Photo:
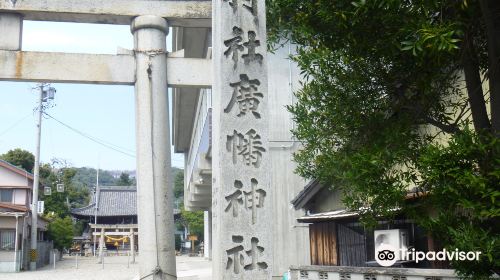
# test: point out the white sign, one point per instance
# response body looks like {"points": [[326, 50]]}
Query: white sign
{"points": [[41, 207]]}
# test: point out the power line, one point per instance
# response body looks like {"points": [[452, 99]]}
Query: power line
{"points": [[94, 139], [104, 143], [15, 124]]}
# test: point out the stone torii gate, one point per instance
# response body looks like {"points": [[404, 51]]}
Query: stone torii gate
{"points": [[242, 239]]}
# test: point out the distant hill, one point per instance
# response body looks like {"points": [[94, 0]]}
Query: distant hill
{"points": [[85, 177]]}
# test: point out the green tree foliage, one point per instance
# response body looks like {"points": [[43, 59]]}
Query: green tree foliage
{"points": [[78, 228], [193, 220], [178, 242], [85, 177], [179, 185], [58, 172], [469, 193], [382, 80], [124, 180], [61, 232], [20, 158]]}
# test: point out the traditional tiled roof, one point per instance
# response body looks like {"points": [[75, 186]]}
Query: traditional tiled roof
{"points": [[306, 194], [113, 201], [327, 216]]}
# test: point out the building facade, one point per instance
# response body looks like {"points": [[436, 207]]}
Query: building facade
{"points": [[192, 136], [111, 221], [16, 186], [342, 247]]}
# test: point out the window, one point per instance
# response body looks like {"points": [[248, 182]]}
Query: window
{"points": [[7, 239], [6, 195]]}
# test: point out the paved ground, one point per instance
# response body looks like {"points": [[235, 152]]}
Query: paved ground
{"points": [[115, 268]]}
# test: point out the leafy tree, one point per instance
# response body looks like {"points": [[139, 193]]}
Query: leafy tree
{"points": [[85, 177], [179, 185], [78, 228], [21, 158], [193, 220], [58, 172], [383, 80], [61, 232], [178, 242], [457, 182], [124, 180]]}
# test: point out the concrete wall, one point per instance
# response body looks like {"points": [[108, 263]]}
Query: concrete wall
{"points": [[315, 272], [7, 262], [291, 239], [45, 253]]}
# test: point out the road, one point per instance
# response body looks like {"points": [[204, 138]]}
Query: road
{"points": [[115, 268]]}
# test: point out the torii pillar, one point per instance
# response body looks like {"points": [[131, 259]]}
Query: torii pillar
{"points": [[155, 196]]}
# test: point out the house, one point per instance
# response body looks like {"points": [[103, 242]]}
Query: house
{"points": [[341, 245], [15, 220]]}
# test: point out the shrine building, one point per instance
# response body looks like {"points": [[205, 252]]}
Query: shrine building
{"points": [[113, 210]]}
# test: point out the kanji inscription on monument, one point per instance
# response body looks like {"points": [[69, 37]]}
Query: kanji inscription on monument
{"points": [[246, 94], [247, 200], [236, 47], [248, 146], [239, 259], [241, 185], [249, 5]]}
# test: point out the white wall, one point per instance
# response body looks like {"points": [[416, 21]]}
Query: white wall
{"points": [[291, 239], [12, 179]]}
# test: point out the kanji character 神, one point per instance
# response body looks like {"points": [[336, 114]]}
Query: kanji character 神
{"points": [[235, 199]]}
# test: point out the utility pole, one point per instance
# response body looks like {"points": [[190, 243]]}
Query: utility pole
{"points": [[96, 206], [46, 94]]}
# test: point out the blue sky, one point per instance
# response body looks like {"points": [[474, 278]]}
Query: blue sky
{"points": [[104, 112]]}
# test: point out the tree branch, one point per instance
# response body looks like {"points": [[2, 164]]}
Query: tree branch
{"points": [[446, 127], [491, 15], [474, 86]]}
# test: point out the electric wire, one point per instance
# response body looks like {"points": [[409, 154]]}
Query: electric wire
{"points": [[94, 139], [14, 125], [106, 143]]}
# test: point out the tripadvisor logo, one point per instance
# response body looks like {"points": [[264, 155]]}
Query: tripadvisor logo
{"points": [[387, 255]]}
